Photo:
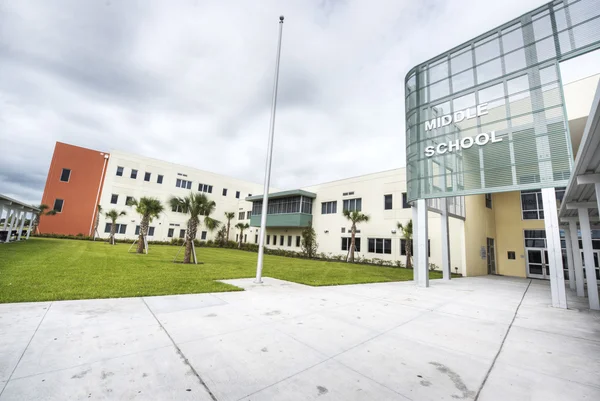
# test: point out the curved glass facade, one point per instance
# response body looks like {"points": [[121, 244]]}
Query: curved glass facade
{"points": [[489, 115]]}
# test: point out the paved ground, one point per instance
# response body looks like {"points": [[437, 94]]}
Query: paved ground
{"points": [[489, 337]]}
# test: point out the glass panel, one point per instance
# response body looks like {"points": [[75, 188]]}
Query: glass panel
{"points": [[439, 90], [461, 60], [536, 269]]}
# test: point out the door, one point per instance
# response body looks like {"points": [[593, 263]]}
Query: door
{"points": [[491, 256], [537, 263], [596, 255]]}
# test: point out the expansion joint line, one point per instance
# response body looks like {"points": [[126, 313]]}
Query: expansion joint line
{"points": [[180, 353], [502, 343]]}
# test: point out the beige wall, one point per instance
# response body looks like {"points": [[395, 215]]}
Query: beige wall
{"points": [[479, 225], [509, 233]]}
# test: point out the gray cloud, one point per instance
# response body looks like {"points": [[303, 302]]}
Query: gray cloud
{"points": [[191, 81]]}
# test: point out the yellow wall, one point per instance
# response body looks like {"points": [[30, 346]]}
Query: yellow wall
{"points": [[509, 233], [480, 224]]}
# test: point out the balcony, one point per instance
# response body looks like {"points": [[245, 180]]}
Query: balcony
{"points": [[285, 209]]}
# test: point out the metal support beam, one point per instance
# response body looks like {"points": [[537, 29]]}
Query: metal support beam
{"points": [[8, 209], [421, 248], [588, 179], [588, 257], [581, 205], [597, 188], [22, 225], [12, 224], [571, 267], [579, 284], [557, 279], [415, 218], [32, 216], [446, 269]]}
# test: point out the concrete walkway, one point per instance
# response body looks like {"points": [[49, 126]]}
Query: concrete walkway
{"points": [[485, 338]]}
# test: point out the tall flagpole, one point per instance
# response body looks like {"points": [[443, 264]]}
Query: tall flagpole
{"points": [[263, 216]]}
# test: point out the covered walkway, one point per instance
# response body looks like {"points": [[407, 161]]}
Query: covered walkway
{"points": [[15, 214]]}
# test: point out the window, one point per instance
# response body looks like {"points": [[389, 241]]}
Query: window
{"points": [[256, 238], [120, 171], [348, 193], [347, 241], [387, 202], [185, 184], [412, 252], [291, 204], [274, 240], [147, 176], [241, 215], [137, 230], [65, 175], [511, 255], [203, 235], [405, 204], [329, 207], [58, 205], [159, 179], [121, 228], [281, 239], [133, 174], [182, 233], [297, 241], [150, 231], [289, 240], [248, 214], [245, 238], [268, 239], [114, 198], [177, 209], [353, 204], [224, 191], [237, 236], [170, 232], [343, 230], [380, 245], [128, 200], [535, 238], [237, 194], [205, 188], [532, 205], [488, 201]]}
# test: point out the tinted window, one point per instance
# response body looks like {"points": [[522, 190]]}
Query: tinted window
{"points": [[114, 199], [133, 174], [147, 176], [159, 179], [387, 202], [58, 205], [120, 171], [65, 175], [170, 233]]}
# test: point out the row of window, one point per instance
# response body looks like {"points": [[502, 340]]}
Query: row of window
{"points": [[281, 240], [379, 245], [291, 204], [330, 207], [134, 173], [244, 215]]}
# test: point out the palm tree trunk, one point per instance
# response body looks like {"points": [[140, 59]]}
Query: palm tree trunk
{"points": [[228, 229], [352, 243], [96, 225], [113, 229], [241, 234], [142, 235], [191, 236], [407, 247]]}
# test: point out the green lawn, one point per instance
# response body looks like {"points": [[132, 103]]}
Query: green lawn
{"points": [[43, 269]]}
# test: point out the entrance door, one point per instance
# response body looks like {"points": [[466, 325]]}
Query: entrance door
{"points": [[537, 263], [491, 256], [596, 255]]}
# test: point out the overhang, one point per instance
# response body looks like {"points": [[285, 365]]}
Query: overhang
{"points": [[283, 194], [15, 204]]}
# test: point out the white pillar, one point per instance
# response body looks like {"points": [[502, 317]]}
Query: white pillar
{"points": [[447, 270], [571, 267], [588, 257], [597, 187], [22, 225], [557, 278], [415, 219], [6, 219], [12, 223], [421, 248], [32, 216], [1, 211], [579, 284]]}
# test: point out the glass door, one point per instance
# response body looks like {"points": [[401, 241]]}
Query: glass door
{"points": [[596, 264], [537, 265], [491, 256]]}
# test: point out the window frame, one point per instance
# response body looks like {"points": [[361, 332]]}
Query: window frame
{"points": [[133, 174], [62, 205], [488, 201], [159, 179], [62, 173], [380, 243], [385, 202], [116, 200], [147, 176], [405, 204], [121, 170]]}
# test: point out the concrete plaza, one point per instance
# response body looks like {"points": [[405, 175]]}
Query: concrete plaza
{"points": [[489, 338]]}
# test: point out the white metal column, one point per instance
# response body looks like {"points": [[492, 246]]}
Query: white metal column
{"points": [[579, 285], [6, 219], [588, 257], [415, 219], [32, 216], [422, 258], [447, 270], [22, 225], [12, 223], [557, 279], [570, 259]]}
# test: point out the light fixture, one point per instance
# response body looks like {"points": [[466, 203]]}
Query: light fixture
{"points": [[393, 231], [326, 231]]}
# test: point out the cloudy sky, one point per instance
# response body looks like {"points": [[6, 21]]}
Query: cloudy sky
{"points": [[190, 81]]}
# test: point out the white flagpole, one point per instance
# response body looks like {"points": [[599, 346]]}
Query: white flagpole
{"points": [[263, 216]]}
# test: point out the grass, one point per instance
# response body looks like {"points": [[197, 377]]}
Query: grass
{"points": [[42, 269]]}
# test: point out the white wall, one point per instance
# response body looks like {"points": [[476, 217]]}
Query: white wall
{"points": [[125, 186]]}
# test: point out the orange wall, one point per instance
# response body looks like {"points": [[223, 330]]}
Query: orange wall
{"points": [[80, 194]]}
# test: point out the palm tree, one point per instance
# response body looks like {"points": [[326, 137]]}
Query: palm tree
{"points": [[196, 204], [407, 234], [98, 213], [148, 208], [242, 227], [42, 212], [229, 216], [354, 217], [113, 215]]}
